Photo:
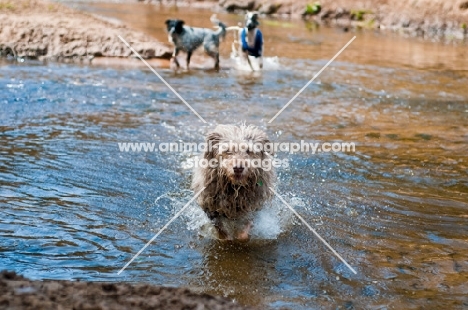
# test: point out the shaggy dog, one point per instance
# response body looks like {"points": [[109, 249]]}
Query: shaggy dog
{"points": [[238, 182], [188, 39]]}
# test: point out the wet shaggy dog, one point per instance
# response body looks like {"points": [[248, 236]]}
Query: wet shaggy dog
{"points": [[236, 184], [188, 39]]}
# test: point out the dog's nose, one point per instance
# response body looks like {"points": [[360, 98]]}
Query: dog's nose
{"points": [[238, 170]]}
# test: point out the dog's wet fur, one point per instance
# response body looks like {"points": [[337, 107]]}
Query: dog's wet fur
{"points": [[233, 190], [188, 39]]}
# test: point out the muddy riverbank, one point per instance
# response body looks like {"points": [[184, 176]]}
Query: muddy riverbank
{"points": [[433, 19], [44, 30], [18, 292], [422, 18]]}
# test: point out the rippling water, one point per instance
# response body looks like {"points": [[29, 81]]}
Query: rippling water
{"points": [[74, 207]]}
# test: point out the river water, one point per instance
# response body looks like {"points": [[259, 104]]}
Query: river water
{"points": [[73, 206]]}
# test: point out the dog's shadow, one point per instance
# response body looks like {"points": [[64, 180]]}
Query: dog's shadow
{"points": [[239, 270]]}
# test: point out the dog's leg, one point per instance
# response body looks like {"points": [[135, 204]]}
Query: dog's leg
{"points": [[235, 50], [174, 57], [216, 61], [246, 56], [215, 56], [222, 234], [244, 234], [189, 54], [212, 50], [260, 62]]}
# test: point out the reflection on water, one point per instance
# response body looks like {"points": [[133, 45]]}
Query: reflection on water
{"points": [[74, 207]]}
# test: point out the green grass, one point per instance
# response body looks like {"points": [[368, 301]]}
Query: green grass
{"points": [[313, 9], [370, 23], [359, 14]]}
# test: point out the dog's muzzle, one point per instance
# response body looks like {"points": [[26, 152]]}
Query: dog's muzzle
{"points": [[238, 171], [250, 25], [169, 35]]}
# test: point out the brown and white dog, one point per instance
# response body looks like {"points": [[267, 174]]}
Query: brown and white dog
{"points": [[238, 182]]}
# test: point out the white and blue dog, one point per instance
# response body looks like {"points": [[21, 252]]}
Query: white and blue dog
{"points": [[250, 40]]}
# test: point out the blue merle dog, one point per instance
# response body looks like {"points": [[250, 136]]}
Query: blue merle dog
{"points": [[188, 39]]}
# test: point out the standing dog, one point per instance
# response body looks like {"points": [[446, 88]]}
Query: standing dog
{"points": [[250, 39], [188, 39], [236, 180]]}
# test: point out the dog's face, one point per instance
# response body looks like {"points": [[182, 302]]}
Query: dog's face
{"points": [[174, 26], [251, 20], [240, 152]]}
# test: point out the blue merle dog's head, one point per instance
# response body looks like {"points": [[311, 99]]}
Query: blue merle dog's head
{"points": [[174, 26]]}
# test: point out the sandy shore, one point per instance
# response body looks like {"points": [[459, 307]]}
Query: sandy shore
{"points": [[46, 30], [17, 292]]}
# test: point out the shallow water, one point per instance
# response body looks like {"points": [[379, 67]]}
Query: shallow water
{"points": [[74, 207]]}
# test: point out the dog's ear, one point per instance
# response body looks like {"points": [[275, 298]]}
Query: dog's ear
{"points": [[268, 147], [259, 137], [255, 18], [212, 144], [169, 24], [179, 26]]}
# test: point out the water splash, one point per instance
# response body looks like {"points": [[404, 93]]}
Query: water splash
{"points": [[269, 63], [268, 223]]}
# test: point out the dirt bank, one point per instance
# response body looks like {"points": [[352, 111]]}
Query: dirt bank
{"points": [[426, 18], [422, 18], [41, 29], [17, 292]]}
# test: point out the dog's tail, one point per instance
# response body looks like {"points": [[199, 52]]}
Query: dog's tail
{"points": [[221, 27], [233, 28]]}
